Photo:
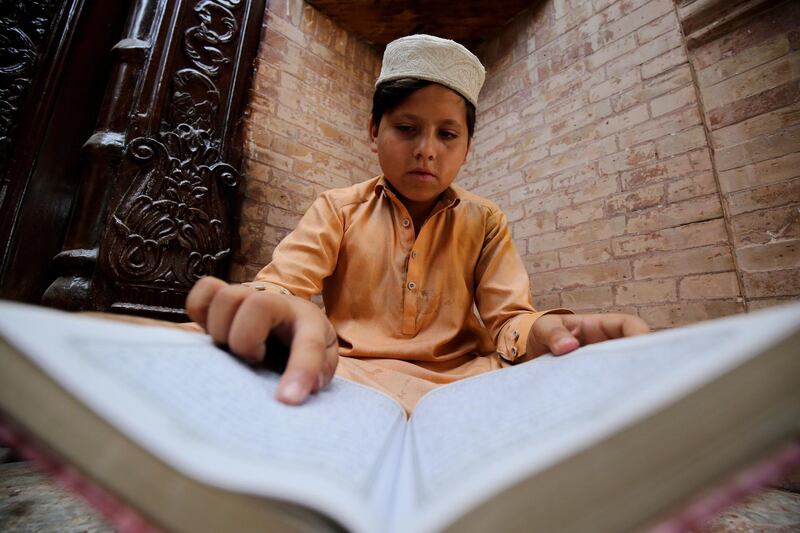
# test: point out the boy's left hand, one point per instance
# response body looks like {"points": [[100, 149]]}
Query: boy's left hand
{"points": [[560, 334]]}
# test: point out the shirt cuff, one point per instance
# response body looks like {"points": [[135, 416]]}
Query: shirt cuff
{"points": [[513, 344], [267, 286]]}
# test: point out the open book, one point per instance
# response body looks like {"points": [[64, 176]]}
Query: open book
{"points": [[607, 438]]}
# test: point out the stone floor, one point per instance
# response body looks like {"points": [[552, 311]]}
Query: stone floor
{"points": [[29, 502]]}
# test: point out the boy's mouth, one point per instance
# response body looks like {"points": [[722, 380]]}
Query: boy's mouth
{"points": [[422, 173]]}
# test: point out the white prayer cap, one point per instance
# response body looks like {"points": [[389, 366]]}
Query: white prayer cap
{"points": [[443, 61]]}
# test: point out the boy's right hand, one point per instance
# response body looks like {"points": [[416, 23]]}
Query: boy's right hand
{"points": [[243, 318]]}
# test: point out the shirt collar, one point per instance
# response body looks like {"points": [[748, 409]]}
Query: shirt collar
{"points": [[449, 198]]}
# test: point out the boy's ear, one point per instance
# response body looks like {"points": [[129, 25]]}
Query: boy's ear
{"points": [[373, 135]]}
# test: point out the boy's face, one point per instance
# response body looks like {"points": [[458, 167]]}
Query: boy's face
{"points": [[422, 143]]}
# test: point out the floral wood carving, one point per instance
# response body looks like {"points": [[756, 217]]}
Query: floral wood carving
{"points": [[23, 27], [169, 228]]}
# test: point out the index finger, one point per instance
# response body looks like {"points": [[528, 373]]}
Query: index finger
{"points": [[199, 298], [312, 361], [618, 325]]}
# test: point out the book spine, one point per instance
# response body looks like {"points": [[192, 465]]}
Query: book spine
{"points": [[752, 480], [113, 510]]}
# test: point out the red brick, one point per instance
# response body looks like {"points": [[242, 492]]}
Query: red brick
{"points": [[242, 272], [664, 62], [645, 292], [580, 234], [657, 172], [647, 90], [780, 19], [564, 161], [534, 225], [501, 184], [701, 260], [709, 286], [658, 127], [773, 170], [672, 101], [541, 262], [772, 283], [766, 225], [584, 276], [759, 149], [611, 51], [645, 53], [574, 177], [547, 301], [756, 126], [599, 188], [684, 313], [282, 219], [772, 195], [756, 55], [531, 190], [763, 102], [768, 76], [641, 198], [680, 238], [587, 298], [695, 210], [586, 254], [754, 304], [628, 159], [614, 86], [657, 28], [691, 187], [638, 18], [579, 214], [772, 256], [583, 116], [624, 120], [682, 141]]}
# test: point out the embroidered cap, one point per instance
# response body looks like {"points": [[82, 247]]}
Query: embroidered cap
{"points": [[443, 61]]}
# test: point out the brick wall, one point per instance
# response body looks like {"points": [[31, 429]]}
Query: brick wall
{"points": [[306, 128], [592, 137], [643, 169], [749, 84]]}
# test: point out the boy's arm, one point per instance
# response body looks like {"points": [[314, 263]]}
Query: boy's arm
{"points": [[276, 305], [503, 297], [560, 334], [306, 256], [242, 318]]}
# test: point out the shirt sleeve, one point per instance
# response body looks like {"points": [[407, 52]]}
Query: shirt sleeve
{"points": [[503, 292], [308, 255]]}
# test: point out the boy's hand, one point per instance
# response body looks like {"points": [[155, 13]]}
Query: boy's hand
{"points": [[560, 334], [243, 318]]}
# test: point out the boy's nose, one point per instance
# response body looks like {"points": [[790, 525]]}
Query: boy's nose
{"points": [[425, 147]]}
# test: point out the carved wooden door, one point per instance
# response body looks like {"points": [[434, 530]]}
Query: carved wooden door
{"points": [[157, 198]]}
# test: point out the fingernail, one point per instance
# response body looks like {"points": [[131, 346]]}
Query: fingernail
{"points": [[292, 392], [566, 344]]}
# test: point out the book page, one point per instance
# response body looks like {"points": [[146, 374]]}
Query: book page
{"points": [[216, 418], [481, 434]]}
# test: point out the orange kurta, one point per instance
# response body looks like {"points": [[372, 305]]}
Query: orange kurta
{"points": [[411, 311]]}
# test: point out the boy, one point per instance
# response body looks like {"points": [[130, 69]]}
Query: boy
{"points": [[402, 259]]}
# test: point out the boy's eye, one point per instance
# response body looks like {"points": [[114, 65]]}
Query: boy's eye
{"points": [[405, 128], [448, 135]]}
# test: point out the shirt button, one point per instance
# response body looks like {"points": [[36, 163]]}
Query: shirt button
{"points": [[412, 285], [516, 334], [413, 255], [406, 223], [284, 291], [514, 351]]}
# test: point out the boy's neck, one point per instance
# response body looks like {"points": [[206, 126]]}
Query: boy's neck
{"points": [[418, 211]]}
